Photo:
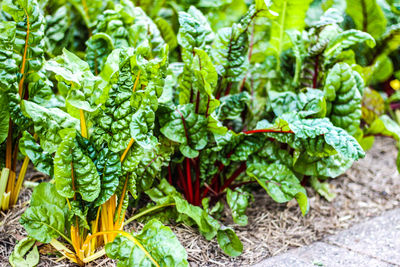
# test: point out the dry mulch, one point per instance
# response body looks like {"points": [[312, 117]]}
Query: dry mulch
{"points": [[369, 188]]}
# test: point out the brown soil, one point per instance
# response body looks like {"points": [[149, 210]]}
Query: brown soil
{"points": [[370, 187]]}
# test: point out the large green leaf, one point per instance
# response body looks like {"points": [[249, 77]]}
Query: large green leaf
{"points": [[367, 16], [42, 161], [345, 40], [184, 126], [75, 172], [308, 102], [280, 183], [291, 17], [4, 117], [48, 123], [44, 219], [156, 240], [148, 163], [141, 127], [232, 106], [331, 166], [8, 64], [164, 193], [229, 53], [130, 99], [108, 166], [229, 242], [28, 55], [318, 137], [342, 92], [194, 31], [70, 70], [121, 27]]}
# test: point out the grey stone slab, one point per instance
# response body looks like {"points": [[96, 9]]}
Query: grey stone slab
{"points": [[286, 259], [378, 237], [321, 254]]}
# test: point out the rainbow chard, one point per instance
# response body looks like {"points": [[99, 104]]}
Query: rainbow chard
{"points": [[109, 152]]}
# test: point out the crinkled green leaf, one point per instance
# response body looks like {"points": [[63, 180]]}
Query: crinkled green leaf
{"points": [[344, 96], [229, 53], [141, 127], [71, 70], [316, 136], [125, 96], [184, 126], [77, 212], [48, 122], [75, 172], [8, 64], [4, 117], [189, 214], [148, 163], [108, 165], [194, 31], [232, 106], [331, 166], [42, 160], [28, 55], [280, 183], [308, 102], [345, 40]]}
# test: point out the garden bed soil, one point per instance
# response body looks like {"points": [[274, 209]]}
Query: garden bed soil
{"points": [[369, 188]]}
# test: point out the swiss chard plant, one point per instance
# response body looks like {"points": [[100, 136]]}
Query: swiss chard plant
{"points": [[22, 77], [379, 64], [99, 158], [179, 110]]}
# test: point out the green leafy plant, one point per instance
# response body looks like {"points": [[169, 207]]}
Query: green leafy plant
{"points": [[22, 50], [179, 110]]}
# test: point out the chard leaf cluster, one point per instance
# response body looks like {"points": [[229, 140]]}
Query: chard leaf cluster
{"points": [[177, 110]]}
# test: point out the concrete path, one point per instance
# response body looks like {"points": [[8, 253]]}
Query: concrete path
{"points": [[373, 243]]}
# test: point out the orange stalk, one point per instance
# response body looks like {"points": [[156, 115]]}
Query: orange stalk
{"points": [[104, 223], [83, 124], [22, 71], [127, 149], [110, 218], [121, 201], [9, 146], [136, 81], [95, 226]]}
